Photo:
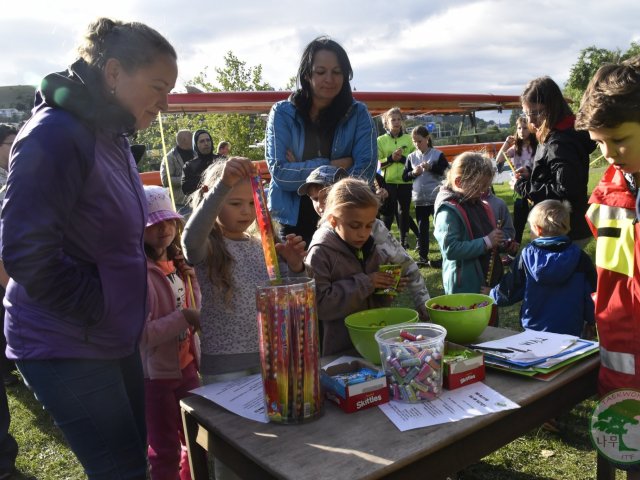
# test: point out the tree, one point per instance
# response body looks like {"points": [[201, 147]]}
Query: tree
{"points": [[515, 113], [614, 421], [241, 130], [589, 61]]}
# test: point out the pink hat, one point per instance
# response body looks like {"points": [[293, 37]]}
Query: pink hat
{"points": [[159, 205]]}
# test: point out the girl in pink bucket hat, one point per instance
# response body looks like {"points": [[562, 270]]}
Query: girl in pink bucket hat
{"points": [[169, 348]]}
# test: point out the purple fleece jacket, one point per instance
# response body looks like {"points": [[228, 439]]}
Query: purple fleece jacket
{"points": [[71, 240]]}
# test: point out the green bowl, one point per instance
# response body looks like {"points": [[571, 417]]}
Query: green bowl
{"points": [[463, 326], [362, 327]]}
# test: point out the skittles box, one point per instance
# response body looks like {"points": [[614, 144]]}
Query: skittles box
{"points": [[462, 366], [354, 385]]}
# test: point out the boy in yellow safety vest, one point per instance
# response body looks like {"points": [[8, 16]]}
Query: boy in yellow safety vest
{"points": [[610, 111]]}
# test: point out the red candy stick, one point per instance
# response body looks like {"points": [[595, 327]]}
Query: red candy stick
{"points": [[407, 336]]}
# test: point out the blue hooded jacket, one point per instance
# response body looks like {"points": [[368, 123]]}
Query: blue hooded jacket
{"points": [[72, 227], [554, 279]]}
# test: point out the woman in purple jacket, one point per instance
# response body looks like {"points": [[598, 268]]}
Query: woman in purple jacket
{"points": [[71, 235]]}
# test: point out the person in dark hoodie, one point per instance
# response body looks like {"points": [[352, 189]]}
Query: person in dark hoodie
{"points": [[204, 156], [552, 276], [561, 163], [71, 241]]}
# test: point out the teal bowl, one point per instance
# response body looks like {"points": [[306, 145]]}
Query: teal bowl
{"points": [[463, 326], [362, 327]]}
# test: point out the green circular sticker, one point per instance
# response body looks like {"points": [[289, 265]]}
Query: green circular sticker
{"points": [[615, 426]]}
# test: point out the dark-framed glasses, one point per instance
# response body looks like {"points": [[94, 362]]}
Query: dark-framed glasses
{"points": [[534, 114]]}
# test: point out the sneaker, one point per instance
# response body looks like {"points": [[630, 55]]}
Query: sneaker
{"points": [[405, 244], [422, 262], [435, 263], [551, 425]]}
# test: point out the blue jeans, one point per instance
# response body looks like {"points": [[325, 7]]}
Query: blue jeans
{"points": [[99, 406], [8, 445]]}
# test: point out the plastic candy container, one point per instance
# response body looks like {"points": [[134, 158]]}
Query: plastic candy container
{"points": [[412, 360]]}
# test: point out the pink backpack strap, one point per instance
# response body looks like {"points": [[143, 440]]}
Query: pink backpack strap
{"points": [[465, 217]]}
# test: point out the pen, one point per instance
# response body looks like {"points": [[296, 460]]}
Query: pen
{"points": [[491, 349]]}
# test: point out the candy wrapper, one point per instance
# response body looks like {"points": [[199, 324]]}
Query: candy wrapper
{"points": [[396, 271]]}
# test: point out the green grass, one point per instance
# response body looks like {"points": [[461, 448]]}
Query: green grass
{"points": [[537, 455]]}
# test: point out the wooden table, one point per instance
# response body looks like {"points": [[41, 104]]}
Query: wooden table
{"points": [[366, 445]]}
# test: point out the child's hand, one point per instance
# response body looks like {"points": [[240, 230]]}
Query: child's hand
{"points": [[402, 284], [183, 267], [292, 251], [511, 247], [522, 172], [418, 170], [192, 317], [496, 237], [485, 290], [510, 140], [236, 169], [396, 156], [423, 313], [382, 279]]}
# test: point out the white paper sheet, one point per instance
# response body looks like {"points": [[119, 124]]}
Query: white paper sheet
{"points": [[532, 346], [465, 402], [243, 396]]}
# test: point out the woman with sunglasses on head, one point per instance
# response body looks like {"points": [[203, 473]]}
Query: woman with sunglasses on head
{"points": [[561, 164], [320, 124]]}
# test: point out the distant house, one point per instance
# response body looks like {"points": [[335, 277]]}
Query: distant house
{"points": [[8, 112]]}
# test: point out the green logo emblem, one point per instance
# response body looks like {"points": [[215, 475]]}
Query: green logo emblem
{"points": [[615, 426]]}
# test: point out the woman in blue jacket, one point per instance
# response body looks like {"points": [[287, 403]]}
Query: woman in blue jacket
{"points": [[320, 124], [71, 237]]}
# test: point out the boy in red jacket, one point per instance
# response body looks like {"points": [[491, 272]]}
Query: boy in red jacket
{"points": [[609, 111]]}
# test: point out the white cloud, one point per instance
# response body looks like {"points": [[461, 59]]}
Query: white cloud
{"points": [[488, 46]]}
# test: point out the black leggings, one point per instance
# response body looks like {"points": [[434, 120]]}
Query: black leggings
{"points": [[520, 214], [398, 201], [307, 222], [423, 212]]}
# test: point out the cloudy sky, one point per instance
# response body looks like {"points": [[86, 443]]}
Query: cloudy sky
{"points": [[460, 46]]}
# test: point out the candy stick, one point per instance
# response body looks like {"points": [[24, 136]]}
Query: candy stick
{"points": [[298, 337], [309, 353], [266, 228], [275, 349], [492, 259], [166, 161], [314, 367], [283, 351], [513, 168]]}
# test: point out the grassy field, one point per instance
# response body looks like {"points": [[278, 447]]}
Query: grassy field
{"points": [[538, 455]]}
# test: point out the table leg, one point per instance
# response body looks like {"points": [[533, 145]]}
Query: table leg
{"points": [[605, 471], [197, 454]]}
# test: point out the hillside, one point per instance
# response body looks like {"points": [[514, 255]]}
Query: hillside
{"points": [[17, 96]]}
